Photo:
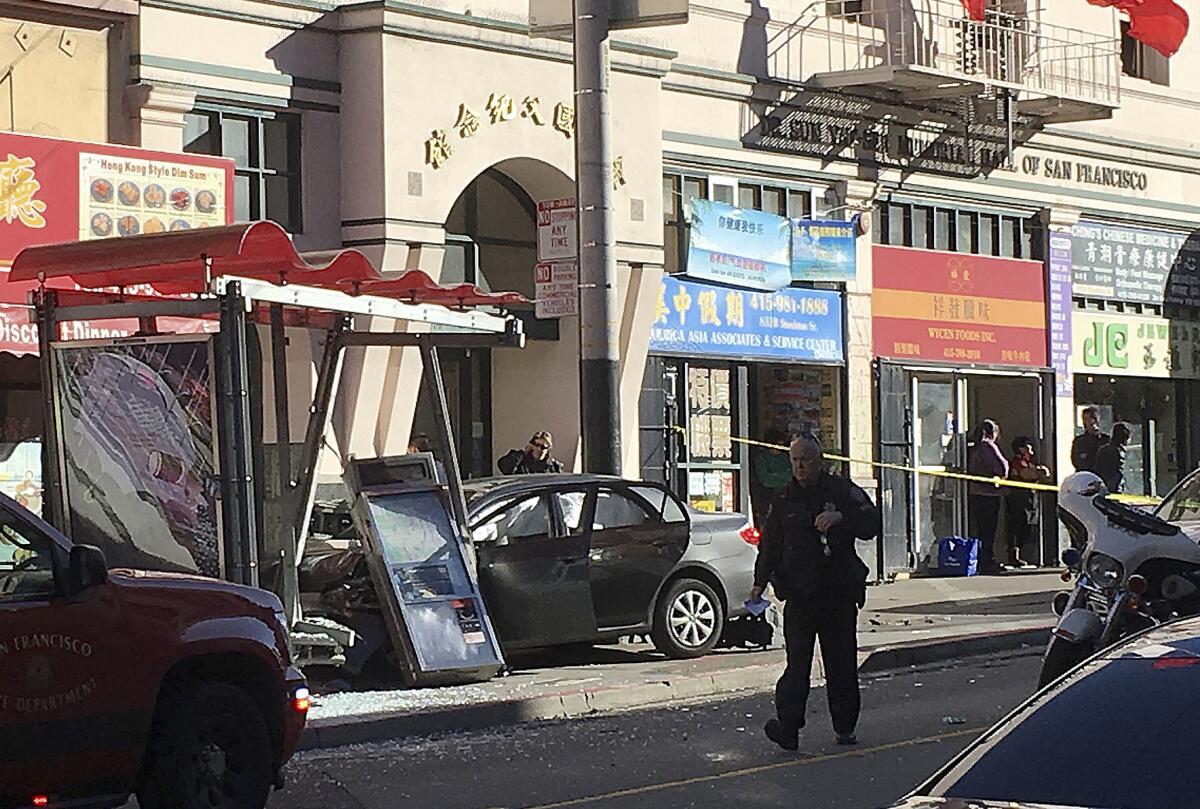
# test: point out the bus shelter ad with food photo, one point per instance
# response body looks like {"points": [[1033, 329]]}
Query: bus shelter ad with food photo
{"points": [[950, 307], [54, 191], [65, 191]]}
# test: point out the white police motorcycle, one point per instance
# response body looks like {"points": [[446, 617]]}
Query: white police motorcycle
{"points": [[1134, 569]]}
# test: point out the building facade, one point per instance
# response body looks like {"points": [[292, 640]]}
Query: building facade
{"points": [[1025, 190]]}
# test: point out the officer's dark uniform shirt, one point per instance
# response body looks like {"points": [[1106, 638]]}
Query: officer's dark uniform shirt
{"points": [[1084, 449], [791, 556]]}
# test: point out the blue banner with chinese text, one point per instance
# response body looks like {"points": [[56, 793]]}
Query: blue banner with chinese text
{"points": [[823, 251], [795, 325], [740, 247]]}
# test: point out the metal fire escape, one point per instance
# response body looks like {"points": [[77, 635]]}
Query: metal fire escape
{"points": [[926, 64]]}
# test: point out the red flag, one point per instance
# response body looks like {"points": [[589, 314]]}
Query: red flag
{"points": [[1161, 24], [975, 9]]}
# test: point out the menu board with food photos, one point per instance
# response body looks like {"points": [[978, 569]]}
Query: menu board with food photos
{"points": [[125, 196]]}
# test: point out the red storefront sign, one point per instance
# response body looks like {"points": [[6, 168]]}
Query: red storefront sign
{"points": [[960, 308], [59, 191]]}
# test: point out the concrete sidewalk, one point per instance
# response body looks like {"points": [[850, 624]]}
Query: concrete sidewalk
{"points": [[909, 622]]}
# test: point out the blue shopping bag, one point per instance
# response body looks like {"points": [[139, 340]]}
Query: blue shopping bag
{"points": [[958, 556]]}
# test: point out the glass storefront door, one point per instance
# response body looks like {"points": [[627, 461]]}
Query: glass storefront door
{"points": [[947, 410], [937, 447]]}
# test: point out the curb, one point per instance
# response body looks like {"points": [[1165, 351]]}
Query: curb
{"points": [[340, 732], [887, 658]]}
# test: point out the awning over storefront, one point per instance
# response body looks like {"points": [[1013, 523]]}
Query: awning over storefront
{"points": [[185, 263]]}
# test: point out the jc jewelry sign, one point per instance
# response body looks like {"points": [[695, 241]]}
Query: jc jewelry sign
{"points": [[1127, 345]]}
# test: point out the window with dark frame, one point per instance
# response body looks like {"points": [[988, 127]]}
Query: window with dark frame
{"points": [[680, 189], [266, 152], [985, 233], [1140, 61], [678, 192], [843, 8], [773, 200]]}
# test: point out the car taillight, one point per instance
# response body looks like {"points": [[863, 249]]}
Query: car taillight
{"points": [[41, 800], [301, 700], [751, 534]]}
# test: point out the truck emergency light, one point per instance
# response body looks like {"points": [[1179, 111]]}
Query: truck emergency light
{"points": [[301, 700]]}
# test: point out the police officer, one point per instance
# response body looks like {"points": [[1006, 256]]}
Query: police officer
{"points": [[807, 554]]}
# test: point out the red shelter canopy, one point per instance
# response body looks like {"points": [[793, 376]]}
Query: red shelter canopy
{"points": [[184, 263]]}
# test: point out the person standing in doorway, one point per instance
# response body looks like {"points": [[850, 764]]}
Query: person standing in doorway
{"points": [[534, 459], [983, 500], [1088, 443], [807, 554], [1020, 514], [1110, 459]]}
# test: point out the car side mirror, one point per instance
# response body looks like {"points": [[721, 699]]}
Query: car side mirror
{"points": [[88, 568]]}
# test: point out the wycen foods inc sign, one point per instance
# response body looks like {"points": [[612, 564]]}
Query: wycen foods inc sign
{"points": [[952, 307]]}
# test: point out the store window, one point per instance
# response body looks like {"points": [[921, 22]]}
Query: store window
{"points": [[1149, 407], [986, 233], [266, 152], [787, 400], [712, 458]]}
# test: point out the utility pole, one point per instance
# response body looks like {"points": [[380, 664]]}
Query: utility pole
{"points": [[599, 315]]}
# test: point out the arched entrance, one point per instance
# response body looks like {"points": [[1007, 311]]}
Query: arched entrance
{"points": [[491, 241]]}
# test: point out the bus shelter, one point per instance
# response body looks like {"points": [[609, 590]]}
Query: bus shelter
{"points": [[153, 451]]}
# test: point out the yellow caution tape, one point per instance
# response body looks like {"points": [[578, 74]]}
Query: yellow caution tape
{"points": [[1134, 499]]}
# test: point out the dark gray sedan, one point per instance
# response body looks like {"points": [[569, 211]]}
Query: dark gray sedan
{"points": [[582, 559], [1118, 732]]}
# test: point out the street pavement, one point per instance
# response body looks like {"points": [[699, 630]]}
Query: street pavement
{"points": [[911, 621], [703, 754]]}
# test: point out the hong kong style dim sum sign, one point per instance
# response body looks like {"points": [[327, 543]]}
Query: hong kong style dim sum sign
{"points": [[61, 191]]}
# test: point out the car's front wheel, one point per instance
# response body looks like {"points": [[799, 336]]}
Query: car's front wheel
{"points": [[688, 619], [211, 751]]}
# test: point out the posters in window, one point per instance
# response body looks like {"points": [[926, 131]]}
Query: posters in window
{"points": [[139, 465], [710, 415]]}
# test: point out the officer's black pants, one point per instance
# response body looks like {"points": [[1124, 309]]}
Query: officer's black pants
{"points": [[836, 625]]}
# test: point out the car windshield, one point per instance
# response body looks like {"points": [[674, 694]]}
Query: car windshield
{"points": [[1120, 733], [1183, 504]]}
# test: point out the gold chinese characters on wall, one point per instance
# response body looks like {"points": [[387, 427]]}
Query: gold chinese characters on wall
{"points": [[500, 109]]}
